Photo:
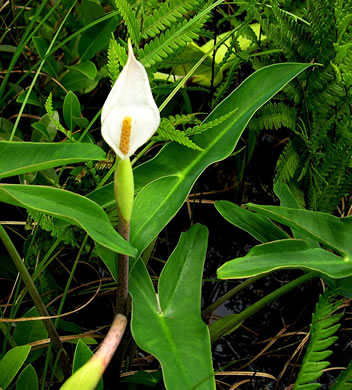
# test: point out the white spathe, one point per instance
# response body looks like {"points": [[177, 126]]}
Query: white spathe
{"points": [[130, 97]]}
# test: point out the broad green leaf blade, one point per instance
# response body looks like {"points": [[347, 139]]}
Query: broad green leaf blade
{"points": [[165, 181], [86, 69], [150, 379], [109, 258], [82, 354], [28, 379], [71, 109], [259, 227], [96, 38], [23, 157], [282, 254], [341, 286], [80, 76], [29, 331], [42, 46], [287, 199], [175, 333], [11, 363], [70, 207], [174, 176], [329, 230]]}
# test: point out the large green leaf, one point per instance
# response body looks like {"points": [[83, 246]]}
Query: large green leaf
{"points": [[70, 207], [96, 38], [23, 157], [170, 326], [71, 109], [82, 354], [165, 181], [329, 230], [80, 76], [285, 254], [168, 178], [29, 331], [11, 363], [28, 379], [287, 199], [258, 226], [42, 46]]}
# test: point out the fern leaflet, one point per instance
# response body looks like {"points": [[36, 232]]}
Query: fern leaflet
{"points": [[174, 38], [167, 14], [130, 20], [54, 116], [274, 116], [56, 227], [117, 58], [198, 129], [167, 132], [323, 327]]}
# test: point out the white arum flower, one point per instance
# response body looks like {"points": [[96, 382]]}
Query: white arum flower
{"points": [[130, 116]]}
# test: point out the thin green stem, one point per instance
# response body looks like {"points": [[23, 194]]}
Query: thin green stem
{"points": [[90, 125], [5, 330], [107, 176], [27, 280], [206, 312], [142, 152], [62, 302], [239, 318], [68, 284], [19, 295], [123, 269]]}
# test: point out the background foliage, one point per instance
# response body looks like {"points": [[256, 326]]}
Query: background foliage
{"points": [[58, 62]]}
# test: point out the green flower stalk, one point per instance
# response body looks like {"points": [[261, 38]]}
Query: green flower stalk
{"points": [[124, 194]]}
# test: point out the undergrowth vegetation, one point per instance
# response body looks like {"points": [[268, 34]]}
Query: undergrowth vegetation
{"points": [[242, 88]]}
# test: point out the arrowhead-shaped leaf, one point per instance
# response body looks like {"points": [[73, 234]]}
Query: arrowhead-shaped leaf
{"points": [[170, 327], [256, 225], [329, 230], [282, 254]]}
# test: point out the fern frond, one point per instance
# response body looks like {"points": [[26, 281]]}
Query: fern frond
{"points": [[288, 164], [117, 58], [324, 325], [56, 227], [198, 129], [184, 119], [344, 380], [334, 178], [53, 115], [171, 40], [130, 20], [167, 132], [165, 15], [274, 116], [176, 37]]}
